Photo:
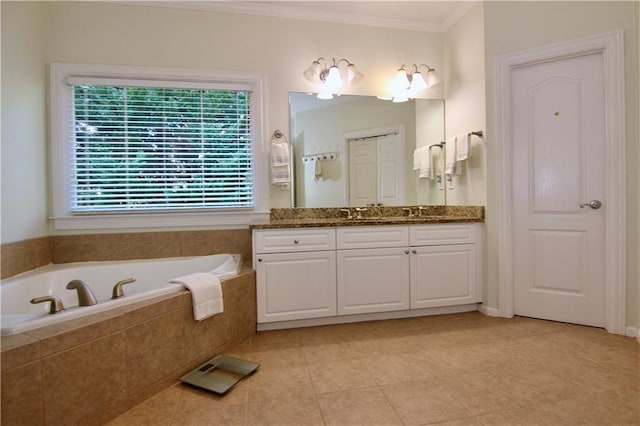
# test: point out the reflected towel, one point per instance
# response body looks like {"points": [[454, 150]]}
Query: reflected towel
{"points": [[423, 162], [206, 293], [317, 169], [450, 156]]}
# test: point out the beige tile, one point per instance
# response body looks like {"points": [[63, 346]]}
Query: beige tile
{"points": [[100, 366], [303, 410], [366, 406], [279, 383], [526, 416], [396, 368], [22, 256], [21, 396], [157, 410], [539, 385], [277, 355], [423, 402], [318, 351], [197, 407], [604, 408], [19, 349], [483, 392], [340, 375]]}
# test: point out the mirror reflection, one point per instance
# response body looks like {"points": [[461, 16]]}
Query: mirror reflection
{"points": [[359, 151]]}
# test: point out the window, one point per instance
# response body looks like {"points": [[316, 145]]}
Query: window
{"points": [[146, 147]]}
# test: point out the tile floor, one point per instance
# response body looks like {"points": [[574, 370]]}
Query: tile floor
{"points": [[461, 369]]}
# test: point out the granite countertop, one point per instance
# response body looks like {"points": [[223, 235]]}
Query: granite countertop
{"points": [[335, 217]]}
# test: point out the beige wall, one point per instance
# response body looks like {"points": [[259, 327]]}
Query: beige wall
{"points": [[513, 26], [88, 32], [464, 85]]}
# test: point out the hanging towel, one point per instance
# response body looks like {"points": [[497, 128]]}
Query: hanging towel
{"points": [[280, 161], [462, 147], [317, 169], [422, 162], [450, 156], [206, 293]]}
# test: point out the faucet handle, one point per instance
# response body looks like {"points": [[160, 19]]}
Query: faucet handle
{"points": [[117, 289], [359, 211], [420, 209], [409, 211], [56, 303], [348, 212]]}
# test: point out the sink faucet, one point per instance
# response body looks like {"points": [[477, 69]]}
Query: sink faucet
{"points": [[409, 211], [56, 303], [420, 209], [117, 289], [348, 212], [359, 211], [85, 295]]}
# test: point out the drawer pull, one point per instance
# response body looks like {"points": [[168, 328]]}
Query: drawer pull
{"points": [[296, 241], [259, 259]]}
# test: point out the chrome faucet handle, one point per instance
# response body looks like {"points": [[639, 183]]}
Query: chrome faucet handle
{"points": [[410, 212], [56, 303], [348, 212], [117, 289], [420, 209]]}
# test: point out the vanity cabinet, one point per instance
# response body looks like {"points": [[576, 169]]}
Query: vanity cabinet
{"points": [[295, 271], [395, 270], [445, 267], [372, 279]]}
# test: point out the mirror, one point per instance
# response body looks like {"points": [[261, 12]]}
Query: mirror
{"points": [[358, 151]]}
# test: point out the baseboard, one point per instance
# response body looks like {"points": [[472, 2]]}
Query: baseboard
{"points": [[633, 332], [490, 312]]}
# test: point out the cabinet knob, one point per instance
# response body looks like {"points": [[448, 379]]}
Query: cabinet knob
{"points": [[406, 252], [259, 259], [295, 241], [414, 251]]}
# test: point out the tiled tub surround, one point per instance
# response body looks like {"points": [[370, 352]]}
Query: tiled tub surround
{"points": [[90, 370], [26, 255]]}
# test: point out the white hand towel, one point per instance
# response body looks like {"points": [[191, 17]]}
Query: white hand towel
{"points": [[423, 162], [206, 293], [279, 153], [462, 147], [450, 156], [317, 169], [280, 175]]}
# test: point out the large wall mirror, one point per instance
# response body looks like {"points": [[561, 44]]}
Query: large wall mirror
{"points": [[358, 151]]}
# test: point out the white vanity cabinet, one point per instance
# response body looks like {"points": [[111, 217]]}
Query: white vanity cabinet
{"points": [[373, 269], [295, 271], [445, 265]]}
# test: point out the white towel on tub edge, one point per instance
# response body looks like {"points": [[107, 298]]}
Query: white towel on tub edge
{"points": [[206, 293]]}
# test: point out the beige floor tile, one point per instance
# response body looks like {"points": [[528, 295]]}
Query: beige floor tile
{"points": [[422, 402], [277, 355], [396, 368], [279, 383], [607, 408], [340, 375], [297, 411], [528, 416], [197, 407], [366, 406], [484, 393], [322, 350], [157, 410]]}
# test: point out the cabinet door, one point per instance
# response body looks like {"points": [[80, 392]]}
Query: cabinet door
{"points": [[443, 275], [296, 285], [373, 280]]}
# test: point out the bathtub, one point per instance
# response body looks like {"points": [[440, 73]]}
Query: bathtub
{"points": [[152, 279]]}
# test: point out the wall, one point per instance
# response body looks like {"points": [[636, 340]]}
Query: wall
{"points": [[24, 156], [91, 32], [464, 85], [514, 26]]}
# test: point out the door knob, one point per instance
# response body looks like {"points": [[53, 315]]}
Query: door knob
{"points": [[594, 204]]}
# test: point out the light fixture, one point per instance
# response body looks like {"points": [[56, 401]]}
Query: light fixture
{"points": [[331, 77], [407, 83]]}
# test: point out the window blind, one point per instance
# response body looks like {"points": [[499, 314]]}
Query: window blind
{"points": [[141, 148]]}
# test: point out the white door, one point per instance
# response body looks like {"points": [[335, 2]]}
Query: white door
{"points": [[363, 172], [558, 166], [376, 171]]}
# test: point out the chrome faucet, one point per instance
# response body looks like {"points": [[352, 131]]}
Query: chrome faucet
{"points": [[117, 289], [85, 295], [409, 211], [56, 303], [348, 212], [420, 209]]}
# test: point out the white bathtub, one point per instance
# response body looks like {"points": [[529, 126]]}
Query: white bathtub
{"points": [[152, 279]]}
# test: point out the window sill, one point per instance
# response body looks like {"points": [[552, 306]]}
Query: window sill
{"points": [[156, 220]]}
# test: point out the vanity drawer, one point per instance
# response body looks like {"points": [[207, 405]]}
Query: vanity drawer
{"points": [[372, 237], [295, 240], [433, 235]]}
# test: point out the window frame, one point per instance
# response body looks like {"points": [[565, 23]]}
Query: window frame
{"points": [[60, 108]]}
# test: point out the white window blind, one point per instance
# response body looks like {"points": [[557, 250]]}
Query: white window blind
{"points": [[140, 148]]}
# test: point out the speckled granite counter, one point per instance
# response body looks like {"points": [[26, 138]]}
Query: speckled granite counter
{"points": [[331, 217]]}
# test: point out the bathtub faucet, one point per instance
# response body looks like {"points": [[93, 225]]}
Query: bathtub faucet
{"points": [[85, 295], [56, 303], [117, 289]]}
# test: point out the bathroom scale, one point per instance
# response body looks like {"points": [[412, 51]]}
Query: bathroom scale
{"points": [[219, 374]]}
